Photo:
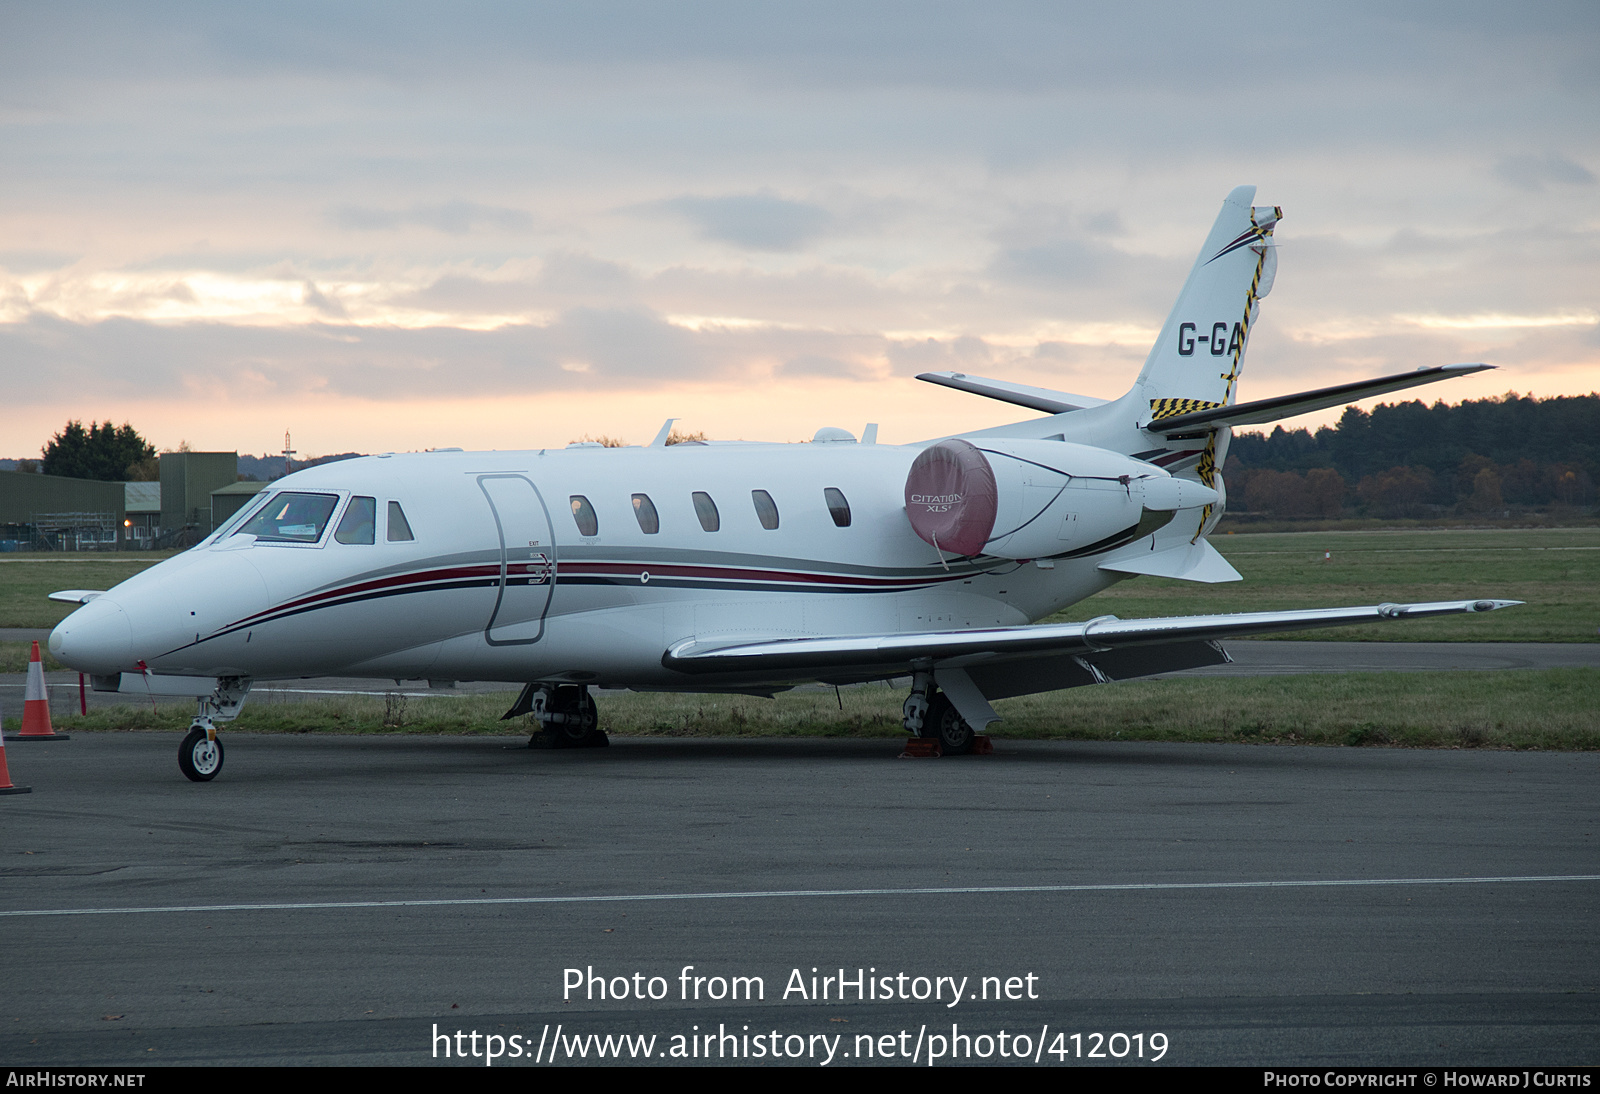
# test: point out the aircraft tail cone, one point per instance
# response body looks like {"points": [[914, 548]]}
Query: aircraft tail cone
{"points": [[6, 785], [36, 705]]}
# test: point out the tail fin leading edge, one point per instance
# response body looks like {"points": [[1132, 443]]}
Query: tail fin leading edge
{"points": [[1196, 361]]}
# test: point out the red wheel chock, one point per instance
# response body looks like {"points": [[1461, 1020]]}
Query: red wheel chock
{"points": [[921, 747]]}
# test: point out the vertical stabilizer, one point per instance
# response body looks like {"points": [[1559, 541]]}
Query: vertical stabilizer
{"points": [[1196, 362]]}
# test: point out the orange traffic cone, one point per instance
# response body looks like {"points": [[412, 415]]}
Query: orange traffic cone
{"points": [[6, 786], [36, 705]]}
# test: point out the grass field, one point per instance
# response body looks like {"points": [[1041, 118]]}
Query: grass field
{"points": [[1556, 570], [27, 580], [14, 657], [1550, 709]]}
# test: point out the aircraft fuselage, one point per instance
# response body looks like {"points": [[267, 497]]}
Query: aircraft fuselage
{"points": [[503, 580]]}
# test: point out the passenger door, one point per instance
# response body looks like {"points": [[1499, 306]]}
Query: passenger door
{"points": [[527, 560]]}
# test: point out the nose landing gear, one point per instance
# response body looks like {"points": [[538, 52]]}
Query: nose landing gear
{"points": [[200, 754]]}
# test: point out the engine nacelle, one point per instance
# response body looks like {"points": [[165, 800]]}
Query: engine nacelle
{"points": [[1029, 499]]}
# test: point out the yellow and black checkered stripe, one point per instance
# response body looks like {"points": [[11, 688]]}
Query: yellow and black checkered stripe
{"points": [[1170, 408], [1207, 470], [1264, 235]]}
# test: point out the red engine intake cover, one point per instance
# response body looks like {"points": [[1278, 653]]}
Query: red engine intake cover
{"points": [[951, 497]]}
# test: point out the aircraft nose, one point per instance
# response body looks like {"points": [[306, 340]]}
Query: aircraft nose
{"points": [[96, 639]]}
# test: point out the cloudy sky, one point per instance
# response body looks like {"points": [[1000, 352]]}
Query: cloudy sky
{"points": [[395, 226]]}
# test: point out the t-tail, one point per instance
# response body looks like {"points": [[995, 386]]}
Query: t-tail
{"points": [[1195, 363], [1180, 411]]}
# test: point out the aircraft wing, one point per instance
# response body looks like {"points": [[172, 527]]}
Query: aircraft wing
{"points": [[876, 656], [1304, 402]]}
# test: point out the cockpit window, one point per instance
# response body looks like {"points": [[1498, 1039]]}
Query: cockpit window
{"points": [[359, 523], [291, 518], [246, 511], [399, 528], [583, 515]]}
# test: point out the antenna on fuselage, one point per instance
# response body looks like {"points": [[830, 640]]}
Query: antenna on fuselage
{"points": [[869, 435], [666, 431]]}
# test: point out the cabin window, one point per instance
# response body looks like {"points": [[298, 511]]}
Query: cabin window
{"points": [[583, 515], [838, 507], [291, 518], [706, 510], [359, 522], [399, 527], [644, 510], [766, 509]]}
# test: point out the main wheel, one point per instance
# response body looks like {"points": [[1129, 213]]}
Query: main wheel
{"points": [[198, 758], [944, 722], [581, 725], [586, 730]]}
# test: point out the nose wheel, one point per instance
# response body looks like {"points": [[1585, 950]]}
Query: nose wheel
{"points": [[200, 754]]}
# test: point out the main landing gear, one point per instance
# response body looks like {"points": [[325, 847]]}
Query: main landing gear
{"points": [[200, 754], [566, 715], [930, 714]]}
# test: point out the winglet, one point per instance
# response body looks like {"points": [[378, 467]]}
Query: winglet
{"points": [[666, 431]]}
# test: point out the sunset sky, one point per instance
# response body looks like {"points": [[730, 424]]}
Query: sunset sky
{"points": [[399, 226]]}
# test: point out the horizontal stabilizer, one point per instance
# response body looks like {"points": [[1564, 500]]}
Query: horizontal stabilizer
{"points": [[1198, 561], [76, 596], [1304, 402], [1034, 398]]}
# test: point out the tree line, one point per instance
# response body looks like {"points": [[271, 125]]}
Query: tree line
{"points": [[99, 451], [108, 453], [1490, 457]]}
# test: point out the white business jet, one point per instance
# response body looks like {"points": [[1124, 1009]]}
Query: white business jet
{"points": [[734, 567]]}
